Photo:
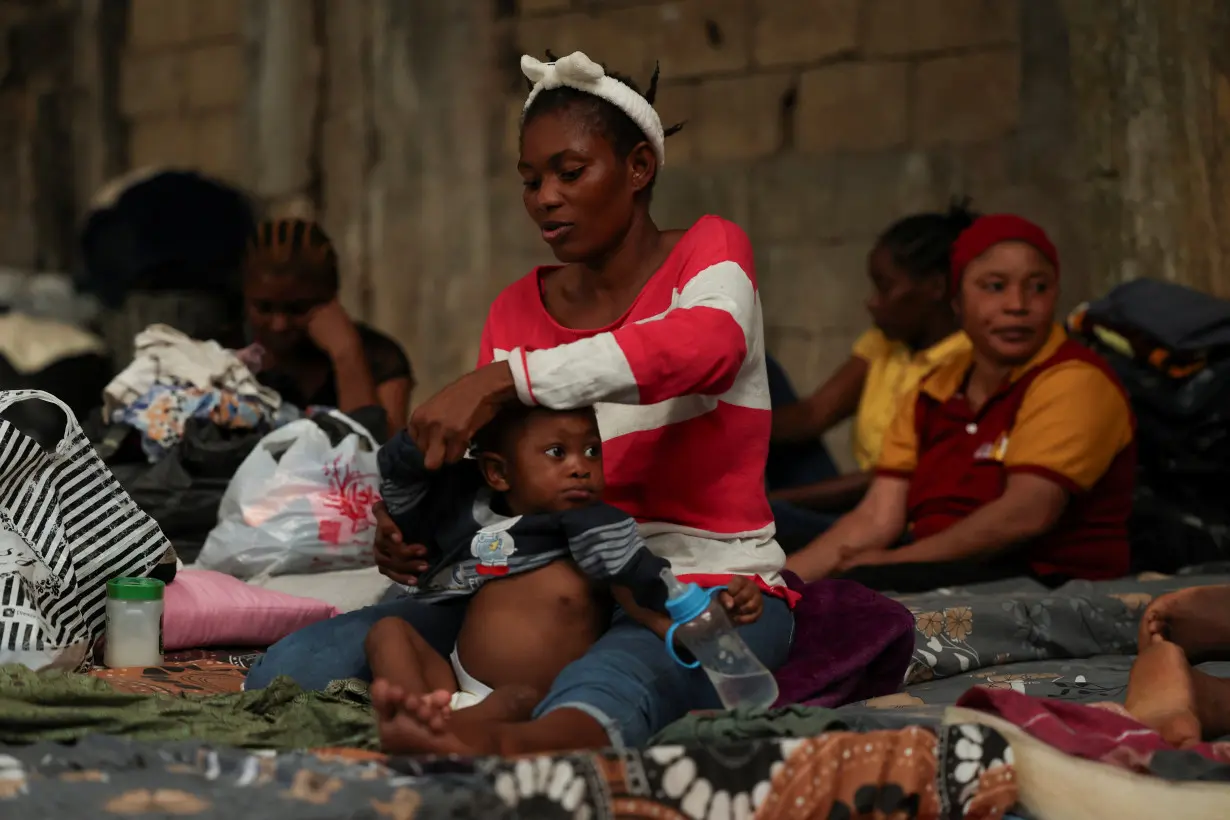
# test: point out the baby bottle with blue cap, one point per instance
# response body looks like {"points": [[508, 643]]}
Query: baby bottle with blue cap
{"points": [[702, 626]]}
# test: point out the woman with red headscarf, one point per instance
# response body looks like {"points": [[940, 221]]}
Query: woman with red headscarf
{"points": [[1014, 458]]}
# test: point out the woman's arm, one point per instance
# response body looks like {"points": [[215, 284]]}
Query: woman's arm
{"points": [[353, 377], [333, 332], [839, 493], [698, 348], [835, 401], [874, 524], [394, 396], [1029, 507]]}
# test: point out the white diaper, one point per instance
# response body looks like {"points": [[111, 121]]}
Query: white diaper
{"points": [[469, 691]]}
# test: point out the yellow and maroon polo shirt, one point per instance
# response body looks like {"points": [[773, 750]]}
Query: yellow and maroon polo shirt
{"points": [[1063, 415]]}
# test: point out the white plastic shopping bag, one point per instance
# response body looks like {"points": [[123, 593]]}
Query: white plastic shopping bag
{"points": [[66, 528], [300, 502]]}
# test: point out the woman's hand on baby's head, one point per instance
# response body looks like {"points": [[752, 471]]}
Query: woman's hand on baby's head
{"points": [[742, 600], [397, 561]]}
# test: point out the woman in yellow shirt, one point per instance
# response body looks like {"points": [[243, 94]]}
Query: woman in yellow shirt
{"points": [[914, 332]]}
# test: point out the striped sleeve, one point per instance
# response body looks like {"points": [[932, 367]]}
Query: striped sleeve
{"points": [[404, 481], [696, 347], [607, 547], [421, 502]]}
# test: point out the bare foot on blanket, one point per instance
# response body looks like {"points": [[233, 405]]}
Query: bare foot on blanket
{"points": [[1197, 619], [1161, 694], [424, 724]]}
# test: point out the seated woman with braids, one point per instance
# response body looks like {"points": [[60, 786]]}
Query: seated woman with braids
{"points": [[661, 331], [312, 352], [1017, 457], [914, 332]]}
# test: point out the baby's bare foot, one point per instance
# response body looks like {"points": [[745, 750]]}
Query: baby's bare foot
{"points": [[426, 725], [420, 724], [1162, 696], [1196, 619]]}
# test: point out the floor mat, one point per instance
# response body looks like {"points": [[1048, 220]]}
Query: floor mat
{"points": [[190, 672], [965, 773]]}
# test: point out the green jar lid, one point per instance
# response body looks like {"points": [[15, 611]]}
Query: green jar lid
{"points": [[135, 589]]}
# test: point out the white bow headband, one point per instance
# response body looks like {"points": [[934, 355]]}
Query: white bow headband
{"points": [[579, 72]]}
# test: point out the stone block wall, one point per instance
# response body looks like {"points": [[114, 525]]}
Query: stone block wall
{"points": [[183, 84], [39, 161], [811, 123]]}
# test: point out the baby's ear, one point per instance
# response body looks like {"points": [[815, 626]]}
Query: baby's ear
{"points": [[495, 471]]}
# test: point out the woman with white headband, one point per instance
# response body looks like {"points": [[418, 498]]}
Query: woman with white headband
{"points": [[662, 331]]}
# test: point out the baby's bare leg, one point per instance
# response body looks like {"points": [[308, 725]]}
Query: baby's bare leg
{"points": [[397, 653], [1213, 703], [1196, 618]]}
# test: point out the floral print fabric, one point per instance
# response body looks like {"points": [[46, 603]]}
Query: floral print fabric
{"points": [[159, 414], [1075, 643]]}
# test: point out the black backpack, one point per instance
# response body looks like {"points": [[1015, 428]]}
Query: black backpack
{"points": [[1170, 346]]}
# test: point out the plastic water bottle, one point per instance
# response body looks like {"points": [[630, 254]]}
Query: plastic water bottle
{"points": [[701, 625]]}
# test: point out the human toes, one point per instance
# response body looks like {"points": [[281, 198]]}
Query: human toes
{"points": [[430, 710], [386, 698]]}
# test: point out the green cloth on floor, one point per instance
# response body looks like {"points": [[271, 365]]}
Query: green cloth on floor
{"points": [[63, 706], [750, 724]]}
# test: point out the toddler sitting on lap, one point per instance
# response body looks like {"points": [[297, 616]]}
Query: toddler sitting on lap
{"points": [[521, 530]]}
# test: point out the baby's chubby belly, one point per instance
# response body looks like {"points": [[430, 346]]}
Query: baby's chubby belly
{"points": [[523, 629]]}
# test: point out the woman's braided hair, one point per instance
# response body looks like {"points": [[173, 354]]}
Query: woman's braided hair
{"points": [[296, 246], [921, 244], [604, 116]]}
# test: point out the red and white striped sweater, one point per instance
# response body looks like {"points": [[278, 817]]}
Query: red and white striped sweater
{"points": [[682, 399]]}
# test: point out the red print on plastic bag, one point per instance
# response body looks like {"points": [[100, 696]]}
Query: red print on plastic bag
{"points": [[347, 504]]}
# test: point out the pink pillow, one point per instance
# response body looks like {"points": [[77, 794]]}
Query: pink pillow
{"points": [[204, 608]]}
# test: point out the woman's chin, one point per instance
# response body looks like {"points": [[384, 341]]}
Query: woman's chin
{"points": [[565, 254], [1015, 355]]}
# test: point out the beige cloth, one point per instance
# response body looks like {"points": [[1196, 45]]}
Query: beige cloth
{"points": [[164, 355], [31, 343]]}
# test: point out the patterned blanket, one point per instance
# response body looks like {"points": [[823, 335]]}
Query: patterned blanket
{"points": [[966, 771], [1075, 643]]}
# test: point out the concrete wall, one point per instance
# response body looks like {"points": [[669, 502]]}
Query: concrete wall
{"points": [[812, 123], [183, 84]]}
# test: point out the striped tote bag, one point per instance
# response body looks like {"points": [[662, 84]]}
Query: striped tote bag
{"points": [[66, 528]]}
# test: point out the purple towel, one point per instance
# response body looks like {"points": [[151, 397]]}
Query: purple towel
{"points": [[849, 644]]}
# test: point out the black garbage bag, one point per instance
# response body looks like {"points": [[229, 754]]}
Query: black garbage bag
{"points": [[183, 491]]}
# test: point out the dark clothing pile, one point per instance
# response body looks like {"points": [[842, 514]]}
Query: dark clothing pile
{"points": [[1170, 346]]}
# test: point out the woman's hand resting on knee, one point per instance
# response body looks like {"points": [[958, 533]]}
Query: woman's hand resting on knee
{"points": [[397, 561]]}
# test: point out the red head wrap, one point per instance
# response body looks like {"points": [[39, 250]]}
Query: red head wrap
{"points": [[992, 229]]}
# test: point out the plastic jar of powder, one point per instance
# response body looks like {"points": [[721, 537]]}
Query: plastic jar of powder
{"points": [[134, 622]]}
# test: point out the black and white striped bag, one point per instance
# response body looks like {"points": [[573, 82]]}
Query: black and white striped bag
{"points": [[66, 528]]}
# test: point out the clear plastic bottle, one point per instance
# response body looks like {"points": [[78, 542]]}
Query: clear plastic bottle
{"points": [[701, 625], [134, 622]]}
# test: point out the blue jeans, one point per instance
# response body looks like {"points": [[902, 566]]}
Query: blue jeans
{"points": [[626, 681]]}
